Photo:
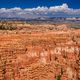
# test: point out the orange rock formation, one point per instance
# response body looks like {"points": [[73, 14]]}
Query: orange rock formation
{"points": [[40, 56]]}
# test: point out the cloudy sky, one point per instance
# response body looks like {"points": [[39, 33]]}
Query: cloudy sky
{"points": [[39, 8]]}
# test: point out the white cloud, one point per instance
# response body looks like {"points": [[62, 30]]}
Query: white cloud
{"points": [[35, 12], [59, 8]]}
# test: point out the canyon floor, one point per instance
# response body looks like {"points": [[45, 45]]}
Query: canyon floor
{"points": [[40, 52]]}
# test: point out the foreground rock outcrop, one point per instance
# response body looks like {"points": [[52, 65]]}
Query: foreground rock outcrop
{"points": [[40, 56]]}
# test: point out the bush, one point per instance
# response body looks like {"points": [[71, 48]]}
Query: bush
{"points": [[7, 27], [58, 77]]}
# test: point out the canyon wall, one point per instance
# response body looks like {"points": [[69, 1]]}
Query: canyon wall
{"points": [[40, 56]]}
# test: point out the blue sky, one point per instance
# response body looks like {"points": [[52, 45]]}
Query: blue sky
{"points": [[34, 3]]}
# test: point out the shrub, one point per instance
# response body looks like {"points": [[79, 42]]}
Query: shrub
{"points": [[58, 77], [7, 27]]}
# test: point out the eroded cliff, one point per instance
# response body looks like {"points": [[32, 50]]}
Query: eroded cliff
{"points": [[40, 56]]}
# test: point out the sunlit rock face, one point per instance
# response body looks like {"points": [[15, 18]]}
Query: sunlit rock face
{"points": [[45, 56]]}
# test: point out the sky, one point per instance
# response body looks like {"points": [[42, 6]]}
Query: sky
{"points": [[34, 3], [39, 8]]}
